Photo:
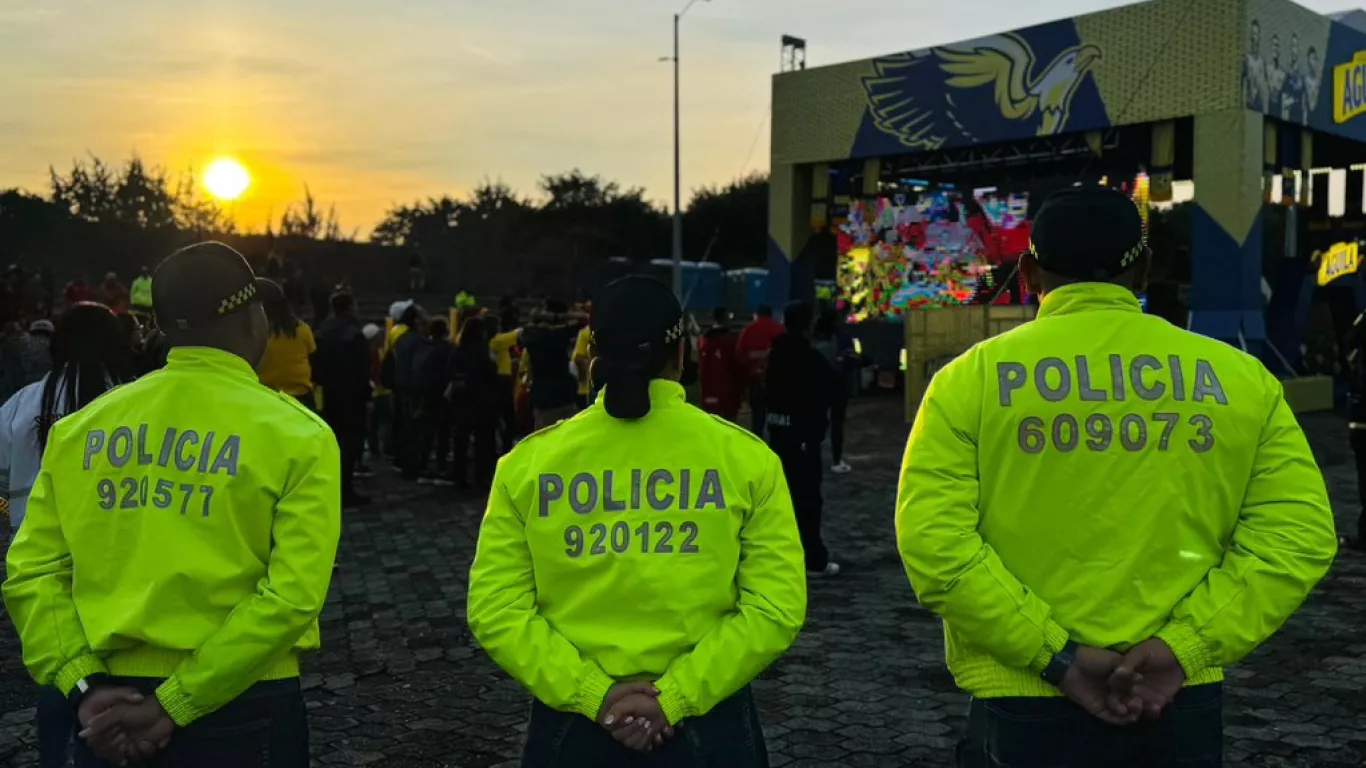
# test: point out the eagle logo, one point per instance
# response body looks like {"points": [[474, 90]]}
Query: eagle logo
{"points": [[923, 98]]}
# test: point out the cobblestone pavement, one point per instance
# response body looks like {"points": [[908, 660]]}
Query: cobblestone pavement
{"points": [[400, 682]]}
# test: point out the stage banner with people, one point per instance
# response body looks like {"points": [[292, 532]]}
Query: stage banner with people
{"points": [[1144, 63]]}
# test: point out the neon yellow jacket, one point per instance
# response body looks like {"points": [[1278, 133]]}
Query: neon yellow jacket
{"points": [[184, 527], [1100, 474], [140, 292], [663, 549]]}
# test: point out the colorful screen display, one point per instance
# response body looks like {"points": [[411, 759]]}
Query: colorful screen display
{"points": [[937, 248]]}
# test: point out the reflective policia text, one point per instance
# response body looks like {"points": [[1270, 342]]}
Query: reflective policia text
{"points": [[658, 490], [179, 451], [1140, 378]]}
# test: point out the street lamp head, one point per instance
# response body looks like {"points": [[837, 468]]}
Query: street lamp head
{"points": [[689, 5]]}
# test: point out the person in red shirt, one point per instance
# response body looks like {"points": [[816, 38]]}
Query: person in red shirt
{"points": [[78, 291], [751, 354], [115, 294], [720, 376], [988, 239]]}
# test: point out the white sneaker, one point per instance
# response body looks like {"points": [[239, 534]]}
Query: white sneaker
{"points": [[831, 568], [841, 468]]}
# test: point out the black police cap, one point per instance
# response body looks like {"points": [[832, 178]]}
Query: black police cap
{"points": [[1087, 233], [201, 283], [636, 324]]}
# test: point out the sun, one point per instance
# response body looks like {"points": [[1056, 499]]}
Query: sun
{"points": [[226, 179]]}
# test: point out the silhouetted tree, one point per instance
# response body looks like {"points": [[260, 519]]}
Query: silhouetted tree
{"points": [[732, 220], [196, 213], [307, 219]]}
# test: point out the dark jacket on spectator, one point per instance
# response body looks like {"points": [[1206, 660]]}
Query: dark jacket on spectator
{"points": [[435, 372], [800, 388], [341, 365], [475, 389], [410, 352]]}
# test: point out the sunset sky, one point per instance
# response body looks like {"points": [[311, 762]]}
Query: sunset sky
{"points": [[375, 103]]}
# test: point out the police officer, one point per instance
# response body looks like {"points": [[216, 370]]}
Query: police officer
{"points": [[1106, 510], [639, 563], [179, 543]]}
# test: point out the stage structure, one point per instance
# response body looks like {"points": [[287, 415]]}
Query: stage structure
{"points": [[1228, 94]]}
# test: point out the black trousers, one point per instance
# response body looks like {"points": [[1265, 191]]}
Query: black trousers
{"points": [[1055, 733], [729, 736], [758, 409], [412, 440], [1358, 440], [479, 428], [435, 425], [56, 726], [399, 427], [266, 726], [507, 413], [802, 467], [348, 424]]}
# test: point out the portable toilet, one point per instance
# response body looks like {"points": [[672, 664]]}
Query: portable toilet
{"points": [[747, 289], [663, 270], [702, 286]]}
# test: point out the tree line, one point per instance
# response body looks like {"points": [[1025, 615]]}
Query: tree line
{"points": [[492, 239]]}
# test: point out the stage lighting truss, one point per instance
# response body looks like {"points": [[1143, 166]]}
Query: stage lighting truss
{"points": [[1009, 153]]}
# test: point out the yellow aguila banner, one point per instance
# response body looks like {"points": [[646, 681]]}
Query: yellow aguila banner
{"points": [[1341, 259]]}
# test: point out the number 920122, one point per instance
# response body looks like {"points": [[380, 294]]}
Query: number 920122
{"points": [[659, 538]]}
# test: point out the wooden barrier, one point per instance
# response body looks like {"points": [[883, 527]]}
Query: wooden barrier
{"points": [[936, 336], [1309, 393]]}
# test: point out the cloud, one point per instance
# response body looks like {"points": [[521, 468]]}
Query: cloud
{"points": [[372, 104]]}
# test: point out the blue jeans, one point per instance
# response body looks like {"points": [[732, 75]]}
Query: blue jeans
{"points": [[728, 736], [1055, 733], [56, 727]]}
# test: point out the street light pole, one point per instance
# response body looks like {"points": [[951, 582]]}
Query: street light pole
{"points": [[678, 212], [678, 193]]}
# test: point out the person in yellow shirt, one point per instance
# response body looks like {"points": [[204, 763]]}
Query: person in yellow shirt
{"points": [[1150, 512], [582, 361], [286, 365], [179, 542], [502, 345], [639, 561]]}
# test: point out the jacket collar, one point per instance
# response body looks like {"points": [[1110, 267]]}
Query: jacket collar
{"points": [[209, 360], [1088, 297], [662, 392]]}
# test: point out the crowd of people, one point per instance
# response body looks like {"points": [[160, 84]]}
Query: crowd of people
{"points": [[1099, 548], [441, 404]]}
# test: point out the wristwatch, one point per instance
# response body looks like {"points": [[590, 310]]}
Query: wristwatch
{"points": [[1061, 662], [84, 686]]}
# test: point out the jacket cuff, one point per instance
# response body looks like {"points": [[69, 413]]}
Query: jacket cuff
{"points": [[76, 670], [592, 690], [1054, 638], [672, 703], [177, 703], [1187, 646]]}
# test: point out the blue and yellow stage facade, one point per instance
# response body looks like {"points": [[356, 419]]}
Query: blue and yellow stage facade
{"points": [[1252, 80]]}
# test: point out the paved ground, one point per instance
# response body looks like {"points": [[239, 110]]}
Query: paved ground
{"points": [[400, 682]]}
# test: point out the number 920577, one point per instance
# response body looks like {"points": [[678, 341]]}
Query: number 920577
{"points": [[661, 537]]}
